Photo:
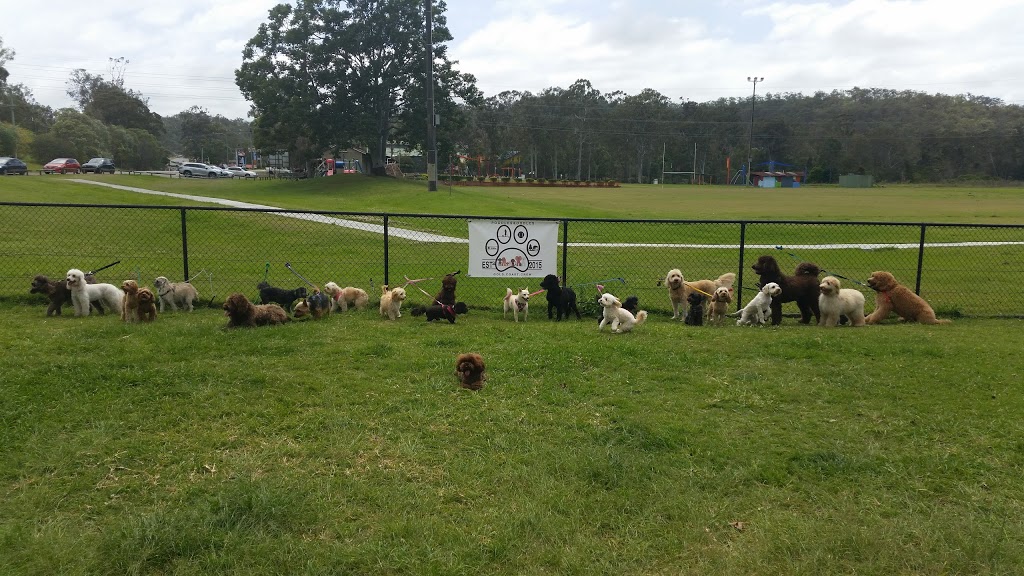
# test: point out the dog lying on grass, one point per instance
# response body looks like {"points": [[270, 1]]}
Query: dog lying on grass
{"points": [[441, 312], [470, 370], [244, 314]]}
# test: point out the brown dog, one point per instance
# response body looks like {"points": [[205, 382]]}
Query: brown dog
{"points": [[895, 297], [146, 309], [447, 293], [242, 313], [130, 303], [58, 293], [679, 289], [469, 368], [720, 300], [802, 288]]}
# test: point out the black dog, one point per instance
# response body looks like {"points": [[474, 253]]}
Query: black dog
{"points": [[441, 311], [801, 287], [561, 299], [695, 315], [632, 304], [58, 293], [280, 296]]}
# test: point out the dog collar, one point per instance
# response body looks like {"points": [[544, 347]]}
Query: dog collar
{"points": [[521, 305], [166, 293]]}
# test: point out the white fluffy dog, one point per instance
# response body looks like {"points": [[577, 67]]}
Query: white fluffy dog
{"points": [[391, 302], [175, 293], [342, 298], [82, 294], [835, 301], [620, 318], [758, 310], [516, 303]]}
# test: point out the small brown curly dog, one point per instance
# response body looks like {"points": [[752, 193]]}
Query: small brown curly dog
{"points": [[801, 287], [242, 313], [447, 293], [130, 304], [895, 297], [146, 309], [469, 368]]}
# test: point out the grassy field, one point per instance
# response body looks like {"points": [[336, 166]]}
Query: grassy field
{"points": [[345, 447]]}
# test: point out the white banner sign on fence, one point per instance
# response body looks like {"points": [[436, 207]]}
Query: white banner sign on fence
{"points": [[513, 248]]}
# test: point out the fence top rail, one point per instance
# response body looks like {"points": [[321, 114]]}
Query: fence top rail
{"points": [[485, 217]]}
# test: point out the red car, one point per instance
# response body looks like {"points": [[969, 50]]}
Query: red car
{"points": [[62, 166]]}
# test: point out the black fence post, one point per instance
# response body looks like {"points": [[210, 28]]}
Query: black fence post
{"points": [[565, 251], [386, 250], [184, 244], [920, 261], [739, 276]]}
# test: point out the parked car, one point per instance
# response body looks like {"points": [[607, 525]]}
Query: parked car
{"points": [[198, 170], [62, 166], [10, 165], [278, 171], [99, 165], [222, 172], [239, 172]]}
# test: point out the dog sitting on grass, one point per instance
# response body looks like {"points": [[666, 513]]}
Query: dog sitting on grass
{"points": [[146, 305], [695, 313], [719, 307], [244, 314]]}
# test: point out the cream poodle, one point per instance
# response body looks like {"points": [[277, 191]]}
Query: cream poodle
{"points": [[620, 319], [82, 294], [391, 302], [758, 310], [834, 302]]}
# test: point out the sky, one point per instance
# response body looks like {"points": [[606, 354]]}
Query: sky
{"points": [[184, 53]]}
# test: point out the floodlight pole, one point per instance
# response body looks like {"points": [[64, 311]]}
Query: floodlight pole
{"points": [[750, 138], [431, 119]]}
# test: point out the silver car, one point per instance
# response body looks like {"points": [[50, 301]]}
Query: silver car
{"points": [[239, 172], [198, 170]]}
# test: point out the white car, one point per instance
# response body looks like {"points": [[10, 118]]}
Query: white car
{"points": [[239, 172], [221, 172]]}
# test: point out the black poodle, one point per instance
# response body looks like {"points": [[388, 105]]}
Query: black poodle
{"points": [[280, 296], [441, 311], [695, 315], [562, 299]]}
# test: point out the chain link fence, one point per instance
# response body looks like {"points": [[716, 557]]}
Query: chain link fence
{"points": [[962, 270]]}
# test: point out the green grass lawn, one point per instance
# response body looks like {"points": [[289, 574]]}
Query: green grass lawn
{"points": [[345, 447]]}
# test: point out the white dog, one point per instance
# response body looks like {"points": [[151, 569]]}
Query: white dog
{"points": [[620, 318], [391, 302], [82, 294], [516, 303], [175, 293], [758, 310], [342, 298], [835, 301]]}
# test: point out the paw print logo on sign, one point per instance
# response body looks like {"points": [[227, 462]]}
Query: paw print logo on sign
{"points": [[512, 248]]}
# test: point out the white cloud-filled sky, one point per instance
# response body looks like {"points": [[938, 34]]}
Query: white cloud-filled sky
{"points": [[184, 53]]}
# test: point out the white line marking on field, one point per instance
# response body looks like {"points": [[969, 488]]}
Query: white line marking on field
{"points": [[437, 238]]}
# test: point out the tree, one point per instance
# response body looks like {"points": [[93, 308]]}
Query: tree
{"points": [[110, 102], [326, 74]]}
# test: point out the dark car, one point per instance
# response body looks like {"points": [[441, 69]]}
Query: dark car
{"points": [[99, 165], [10, 165]]}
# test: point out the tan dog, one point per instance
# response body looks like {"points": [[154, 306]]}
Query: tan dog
{"points": [[391, 302], [834, 302], [895, 297], [146, 305], [679, 289], [130, 303], [720, 300], [342, 298], [175, 293]]}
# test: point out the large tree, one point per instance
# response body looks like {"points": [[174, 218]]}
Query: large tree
{"points": [[109, 102], [327, 74]]}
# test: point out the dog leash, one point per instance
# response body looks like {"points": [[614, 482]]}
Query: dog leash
{"points": [[445, 307], [266, 272], [311, 285], [93, 272], [828, 272]]}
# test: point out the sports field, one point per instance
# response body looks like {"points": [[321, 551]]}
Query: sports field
{"points": [[345, 446]]}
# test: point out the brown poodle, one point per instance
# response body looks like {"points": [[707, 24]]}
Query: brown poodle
{"points": [[801, 288], [895, 297], [58, 293], [242, 313], [469, 368], [447, 293], [130, 303], [146, 309]]}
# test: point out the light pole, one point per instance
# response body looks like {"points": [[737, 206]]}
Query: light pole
{"points": [[431, 118], [750, 138]]}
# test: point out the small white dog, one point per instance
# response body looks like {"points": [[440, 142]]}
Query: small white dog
{"points": [[391, 302], [516, 303], [835, 301], [620, 318], [82, 294], [758, 310], [175, 293], [342, 298]]}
